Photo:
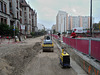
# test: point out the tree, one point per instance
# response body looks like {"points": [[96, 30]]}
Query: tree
{"points": [[12, 31], [96, 26], [6, 30]]}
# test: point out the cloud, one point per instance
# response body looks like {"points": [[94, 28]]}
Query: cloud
{"points": [[48, 9], [74, 10]]}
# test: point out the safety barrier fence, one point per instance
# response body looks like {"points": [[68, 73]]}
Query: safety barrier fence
{"points": [[87, 46], [95, 48], [55, 36]]}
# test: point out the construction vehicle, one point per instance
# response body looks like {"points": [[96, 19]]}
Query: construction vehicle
{"points": [[47, 44], [65, 59]]}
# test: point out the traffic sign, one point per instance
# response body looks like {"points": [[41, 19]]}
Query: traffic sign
{"points": [[13, 29]]}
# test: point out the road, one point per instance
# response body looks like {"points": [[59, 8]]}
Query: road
{"points": [[47, 63]]}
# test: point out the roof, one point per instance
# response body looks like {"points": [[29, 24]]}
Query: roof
{"points": [[24, 3]]}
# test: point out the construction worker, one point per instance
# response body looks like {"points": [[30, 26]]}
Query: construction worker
{"points": [[73, 34]]}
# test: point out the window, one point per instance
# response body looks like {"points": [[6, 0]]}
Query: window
{"points": [[25, 21], [20, 5], [17, 15], [1, 20], [29, 16], [4, 8], [5, 21], [17, 3], [1, 6], [25, 8], [25, 14], [21, 20], [29, 21], [20, 13], [18, 25]]}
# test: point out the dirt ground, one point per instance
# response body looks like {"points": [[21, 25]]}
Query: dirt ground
{"points": [[14, 57], [47, 63], [27, 58]]}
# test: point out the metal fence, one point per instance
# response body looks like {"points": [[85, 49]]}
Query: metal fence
{"points": [[87, 46]]}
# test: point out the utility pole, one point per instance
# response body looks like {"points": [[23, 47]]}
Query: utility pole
{"points": [[91, 18], [64, 26], [14, 32]]}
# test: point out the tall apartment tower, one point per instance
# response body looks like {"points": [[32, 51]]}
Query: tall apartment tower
{"points": [[79, 21], [62, 21]]}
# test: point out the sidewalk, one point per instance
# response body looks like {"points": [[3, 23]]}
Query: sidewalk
{"points": [[7, 41]]}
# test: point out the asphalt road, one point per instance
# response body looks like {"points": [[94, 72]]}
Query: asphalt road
{"points": [[47, 63]]}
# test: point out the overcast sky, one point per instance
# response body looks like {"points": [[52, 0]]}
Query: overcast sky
{"points": [[48, 9]]}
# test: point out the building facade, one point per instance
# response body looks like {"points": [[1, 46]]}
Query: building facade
{"points": [[4, 12], [79, 21], [18, 13], [66, 23], [61, 21]]}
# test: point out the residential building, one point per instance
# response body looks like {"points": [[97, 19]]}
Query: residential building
{"points": [[4, 12], [34, 21], [67, 23], [15, 13], [75, 21], [61, 21], [57, 23], [18, 13], [79, 21], [29, 18], [85, 22]]}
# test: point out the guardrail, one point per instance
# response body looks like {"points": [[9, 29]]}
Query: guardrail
{"points": [[87, 46]]}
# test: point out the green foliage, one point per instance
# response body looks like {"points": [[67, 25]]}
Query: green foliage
{"points": [[43, 31], [54, 31], [96, 26], [6, 30], [63, 32], [12, 32], [32, 33]]}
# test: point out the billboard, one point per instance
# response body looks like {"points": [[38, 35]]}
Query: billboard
{"points": [[78, 29], [22, 26]]}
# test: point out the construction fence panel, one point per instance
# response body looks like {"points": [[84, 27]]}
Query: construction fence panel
{"points": [[95, 49]]}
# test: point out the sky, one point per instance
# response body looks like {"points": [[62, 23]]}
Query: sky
{"points": [[48, 9]]}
